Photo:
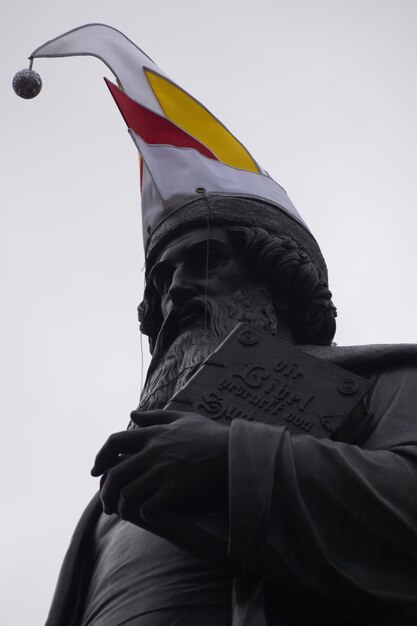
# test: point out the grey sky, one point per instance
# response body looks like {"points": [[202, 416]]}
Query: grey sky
{"points": [[324, 95]]}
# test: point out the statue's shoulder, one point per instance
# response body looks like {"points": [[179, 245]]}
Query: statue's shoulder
{"points": [[393, 369], [367, 359]]}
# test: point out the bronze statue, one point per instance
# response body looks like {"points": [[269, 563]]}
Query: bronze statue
{"points": [[320, 531], [306, 530]]}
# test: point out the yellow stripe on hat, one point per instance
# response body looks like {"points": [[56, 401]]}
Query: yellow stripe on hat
{"points": [[187, 113]]}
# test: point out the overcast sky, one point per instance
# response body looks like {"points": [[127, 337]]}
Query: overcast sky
{"points": [[324, 95]]}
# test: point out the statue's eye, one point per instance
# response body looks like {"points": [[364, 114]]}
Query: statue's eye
{"points": [[208, 256], [162, 277]]}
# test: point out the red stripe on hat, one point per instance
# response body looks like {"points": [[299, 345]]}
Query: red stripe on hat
{"points": [[151, 127]]}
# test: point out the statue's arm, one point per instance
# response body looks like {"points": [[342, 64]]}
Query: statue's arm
{"points": [[332, 518]]}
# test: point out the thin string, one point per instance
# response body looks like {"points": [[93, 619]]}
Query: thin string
{"points": [[131, 424], [141, 364], [141, 340], [207, 267]]}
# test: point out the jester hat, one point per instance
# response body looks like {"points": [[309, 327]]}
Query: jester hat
{"points": [[191, 164]]}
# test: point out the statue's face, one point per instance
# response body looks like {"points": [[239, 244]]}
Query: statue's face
{"points": [[198, 263], [206, 287]]}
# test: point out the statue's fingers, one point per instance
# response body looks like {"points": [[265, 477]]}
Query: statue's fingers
{"points": [[133, 495], [154, 418], [125, 442], [116, 479]]}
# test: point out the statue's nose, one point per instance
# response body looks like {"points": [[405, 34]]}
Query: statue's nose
{"points": [[182, 288]]}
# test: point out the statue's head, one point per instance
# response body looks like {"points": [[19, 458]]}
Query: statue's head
{"points": [[203, 194], [241, 254]]}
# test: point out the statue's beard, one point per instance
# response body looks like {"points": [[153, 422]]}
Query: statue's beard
{"points": [[173, 364]]}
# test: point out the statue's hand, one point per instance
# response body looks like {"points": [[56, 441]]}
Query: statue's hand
{"points": [[173, 459]]}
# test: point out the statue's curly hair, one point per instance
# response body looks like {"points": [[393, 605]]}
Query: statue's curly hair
{"points": [[297, 285]]}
